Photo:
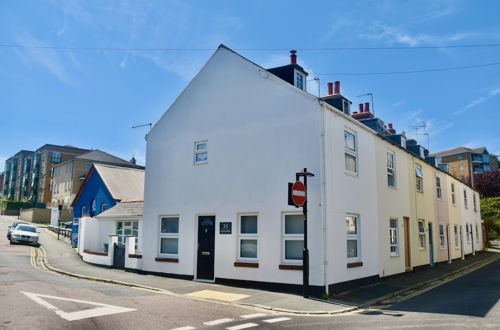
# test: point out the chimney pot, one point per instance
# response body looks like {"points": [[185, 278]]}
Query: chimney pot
{"points": [[337, 87], [330, 88], [293, 56], [367, 107], [360, 107]]}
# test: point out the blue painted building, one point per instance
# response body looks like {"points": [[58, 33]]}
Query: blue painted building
{"points": [[103, 188]]}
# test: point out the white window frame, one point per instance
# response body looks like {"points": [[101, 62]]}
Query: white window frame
{"points": [[201, 151], [474, 202], [356, 237], [351, 152], [289, 237], [394, 232], [83, 210], [421, 235], [169, 235], [103, 207], [419, 178], [439, 189], [125, 227], [453, 195], [391, 168], [251, 236], [455, 234], [304, 80], [442, 237], [56, 157], [477, 233], [466, 205]]}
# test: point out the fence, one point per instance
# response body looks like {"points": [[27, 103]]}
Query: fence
{"points": [[60, 231]]}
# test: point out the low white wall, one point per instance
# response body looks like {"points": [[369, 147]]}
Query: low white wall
{"points": [[134, 263], [106, 260]]}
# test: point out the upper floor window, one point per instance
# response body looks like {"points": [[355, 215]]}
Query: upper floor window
{"points": [[465, 199], [460, 156], [103, 207], [419, 179], [84, 210], [351, 152], [474, 202], [300, 80], [391, 169], [56, 157], [453, 200], [201, 152], [88, 166], [439, 192], [460, 167]]}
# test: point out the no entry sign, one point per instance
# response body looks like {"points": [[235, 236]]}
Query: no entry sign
{"points": [[298, 193]]}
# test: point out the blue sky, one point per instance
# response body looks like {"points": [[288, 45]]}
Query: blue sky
{"points": [[91, 98]]}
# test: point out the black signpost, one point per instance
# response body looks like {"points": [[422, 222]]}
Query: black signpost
{"points": [[305, 252]]}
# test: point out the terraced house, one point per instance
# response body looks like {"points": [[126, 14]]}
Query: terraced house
{"points": [[218, 163]]}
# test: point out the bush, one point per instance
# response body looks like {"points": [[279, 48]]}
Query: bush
{"points": [[16, 205], [490, 213]]}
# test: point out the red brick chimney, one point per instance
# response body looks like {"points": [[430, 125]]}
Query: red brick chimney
{"points": [[336, 90], [330, 88], [367, 107], [293, 56]]}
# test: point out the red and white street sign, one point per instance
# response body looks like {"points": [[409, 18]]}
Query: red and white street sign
{"points": [[298, 193]]}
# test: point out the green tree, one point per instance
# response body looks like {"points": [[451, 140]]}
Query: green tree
{"points": [[490, 213]]}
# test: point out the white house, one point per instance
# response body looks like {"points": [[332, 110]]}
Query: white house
{"points": [[218, 163]]}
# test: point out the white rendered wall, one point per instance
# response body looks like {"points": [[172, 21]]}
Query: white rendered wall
{"points": [[260, 132]]}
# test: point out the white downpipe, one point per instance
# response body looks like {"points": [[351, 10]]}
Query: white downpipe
{"points": [[323, 199]]}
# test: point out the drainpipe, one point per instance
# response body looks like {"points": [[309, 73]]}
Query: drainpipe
{"points": [[448, 241], [323, 198]]}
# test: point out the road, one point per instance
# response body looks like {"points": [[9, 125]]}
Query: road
{"points": [[36, 298]]}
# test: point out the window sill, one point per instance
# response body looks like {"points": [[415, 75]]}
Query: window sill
{"points": [[394, 255], [354, 264], [96, 253], [353, 174], [393, 188], [246, 264], [135, 256], [175, 260], [291, 267]]}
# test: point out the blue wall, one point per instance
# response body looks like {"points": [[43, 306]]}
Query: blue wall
{"points": [[94, 189]]}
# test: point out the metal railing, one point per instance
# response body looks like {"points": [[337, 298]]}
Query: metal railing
{"points": [[60, 231]]}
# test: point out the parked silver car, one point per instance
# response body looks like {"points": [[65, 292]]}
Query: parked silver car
{"points": [[13, 226], [24, 234]]}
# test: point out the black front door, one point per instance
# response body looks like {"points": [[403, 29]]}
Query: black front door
{"points": [[119, 256], [206, 247]]}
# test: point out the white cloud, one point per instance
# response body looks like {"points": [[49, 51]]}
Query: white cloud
{"points": [[479, 100], [48, 59]]}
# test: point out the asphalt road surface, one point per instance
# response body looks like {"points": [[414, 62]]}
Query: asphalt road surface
{"points": [[37, 299]]}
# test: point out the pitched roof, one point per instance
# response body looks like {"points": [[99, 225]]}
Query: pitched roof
{"points": [[450, 152], [123, 183], [99, 156], [123, 209], [479, 150]]}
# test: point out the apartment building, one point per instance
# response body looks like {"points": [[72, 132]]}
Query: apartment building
{"points": [[465, 162], [17, 176]]}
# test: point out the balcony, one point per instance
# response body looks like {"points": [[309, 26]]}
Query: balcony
{"points": [[477, 159]]}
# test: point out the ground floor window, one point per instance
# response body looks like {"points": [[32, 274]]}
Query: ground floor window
{"points": [[248, 237], [169, 236], [421, 234], [467, 233], [477, 234], [353, 237], [455, 233], [442, 242], [293, 238], [126, 228], [393, 237]]}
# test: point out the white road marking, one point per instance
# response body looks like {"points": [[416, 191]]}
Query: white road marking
{"points": [[219, 321], [278, 319], [243, 326], [102, 309], [185, 328], [251, 316]]}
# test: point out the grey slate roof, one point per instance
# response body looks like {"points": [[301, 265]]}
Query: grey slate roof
{"points": [[99, 156], [123, 209], [458, 150], [123, 183]]}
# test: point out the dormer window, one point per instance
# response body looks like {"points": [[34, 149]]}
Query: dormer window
{"points": [[346, 107], [300, 80], [403, 142]]}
